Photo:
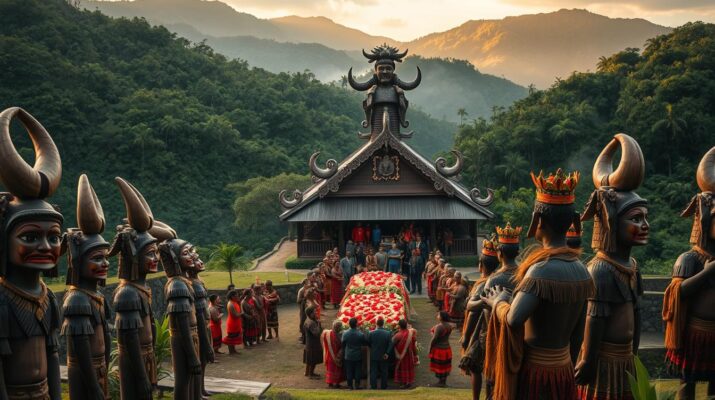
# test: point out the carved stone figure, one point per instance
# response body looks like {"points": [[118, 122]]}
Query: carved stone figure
{"points": [[385, 91], [613, 324], [538, 330], [688, 304], [178, 258], [201, 302], [30, 246], [134, 319], [85, 311]]}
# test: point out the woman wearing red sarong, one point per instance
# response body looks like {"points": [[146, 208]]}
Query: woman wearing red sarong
{"points": [[337, 292], [405, 355], [440, 352], [311, 300], [250, 319], [234, 325], [215, 316], [332, 355]]}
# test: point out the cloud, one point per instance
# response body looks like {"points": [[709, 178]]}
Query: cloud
{"points": [[652, 5], [393, 22]]}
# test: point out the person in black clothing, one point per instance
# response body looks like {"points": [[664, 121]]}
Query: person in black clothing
{"points": [[380, 342], [352, 342]]}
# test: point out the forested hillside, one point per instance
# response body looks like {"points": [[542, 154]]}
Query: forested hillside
{"points": [[123, 98], [664, 97]]}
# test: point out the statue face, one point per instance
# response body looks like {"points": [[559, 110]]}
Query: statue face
{"points": [[186, 258], [35, 245], [149, 259], [198, 262], [384, 72], [95, 264], [633, 227]]}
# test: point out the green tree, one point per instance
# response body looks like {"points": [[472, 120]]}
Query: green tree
{"points": [[673, 128], [513, 164], [462, 116], [228, 257]]}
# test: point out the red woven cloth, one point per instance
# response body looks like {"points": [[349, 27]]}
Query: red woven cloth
{"points": [[336, 291], [333, 372], [405, 367], [537, 382], [234, 326], [695, 359], [440, 360]]}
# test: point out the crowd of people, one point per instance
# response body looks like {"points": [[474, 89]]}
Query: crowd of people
{"points": [[252, 317], [344, 350]]}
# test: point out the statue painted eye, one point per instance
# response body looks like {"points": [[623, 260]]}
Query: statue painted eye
{"points": [[29, 237]]}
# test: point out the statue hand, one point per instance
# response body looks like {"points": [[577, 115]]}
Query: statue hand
{"points": [[585, 372], [710, 266], [211, 356], [494, 296]]}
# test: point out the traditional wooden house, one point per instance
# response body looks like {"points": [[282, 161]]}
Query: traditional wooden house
{"points": [[385, 182]]}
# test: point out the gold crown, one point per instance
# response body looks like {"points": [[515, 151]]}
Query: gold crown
{"points": [[556, 188], [508, 234], [572, 233], [489, 248]]}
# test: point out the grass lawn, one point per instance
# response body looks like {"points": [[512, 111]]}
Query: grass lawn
{"points": [[219, 279]]}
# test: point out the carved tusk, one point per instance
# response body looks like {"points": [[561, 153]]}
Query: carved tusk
{"points": [[475, 195], [441, 165], [286, 203], [331, 167]]}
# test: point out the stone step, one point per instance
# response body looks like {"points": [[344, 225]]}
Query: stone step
{"points": [[213, 385]]}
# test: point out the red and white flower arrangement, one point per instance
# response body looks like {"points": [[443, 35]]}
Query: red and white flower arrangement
{"points": [[371, 295]]}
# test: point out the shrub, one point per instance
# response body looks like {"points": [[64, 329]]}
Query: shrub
{"points": [[294, 262]]}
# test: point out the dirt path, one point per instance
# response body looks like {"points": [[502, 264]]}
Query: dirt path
{"points": [[281, 363], [276, 262]]}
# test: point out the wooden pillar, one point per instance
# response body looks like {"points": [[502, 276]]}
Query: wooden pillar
{"points": [[341, 238], [432, 235], [299, 236]]}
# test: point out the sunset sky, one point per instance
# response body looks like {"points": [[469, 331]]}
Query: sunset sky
{"points": [[408, 19]]}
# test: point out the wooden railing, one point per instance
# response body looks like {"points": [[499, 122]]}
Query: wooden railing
{"points": [[315, 248], [463, 247]]}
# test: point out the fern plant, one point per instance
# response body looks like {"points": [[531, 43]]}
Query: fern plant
{"points": [[162, 353], [642, 388]]}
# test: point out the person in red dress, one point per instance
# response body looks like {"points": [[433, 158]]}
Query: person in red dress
{"points": [[215, 316], [405, 341], [336, 289], [234, 325], [333, 356], [250, 319], [440, 352]]}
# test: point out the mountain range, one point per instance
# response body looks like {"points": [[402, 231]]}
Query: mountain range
{"points": [[527, 49]]}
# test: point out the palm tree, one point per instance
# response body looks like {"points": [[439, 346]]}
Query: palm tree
{"points": [[142, 137], [462, 115], [228, 257], [673, 128], [513, 164]]}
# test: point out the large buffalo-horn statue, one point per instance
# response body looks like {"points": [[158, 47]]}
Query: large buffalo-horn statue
{"points": [[385, 90], [30, 246]]}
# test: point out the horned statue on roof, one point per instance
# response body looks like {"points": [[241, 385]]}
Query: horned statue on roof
{"points": [[385, 92]]}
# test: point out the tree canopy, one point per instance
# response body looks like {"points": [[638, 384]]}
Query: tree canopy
{"points": [[663, 96]]}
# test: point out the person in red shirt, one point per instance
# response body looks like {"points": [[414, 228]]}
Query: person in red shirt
{"points": [[358, 234]]}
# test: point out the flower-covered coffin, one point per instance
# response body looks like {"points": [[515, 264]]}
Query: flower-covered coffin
{"points": [[371, 295]]}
